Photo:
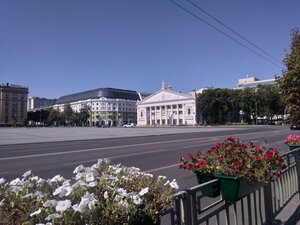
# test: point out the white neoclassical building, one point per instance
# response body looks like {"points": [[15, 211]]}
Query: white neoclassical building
{"points": [[167, 107]]}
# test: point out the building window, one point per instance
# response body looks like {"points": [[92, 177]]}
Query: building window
{"points": [[157, 107], [180, 106], [168, 107], [189, 111], [142, 114]]}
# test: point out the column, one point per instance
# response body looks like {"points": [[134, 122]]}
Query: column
{"points": [[150, 108], [183, 114], [177, 114]]}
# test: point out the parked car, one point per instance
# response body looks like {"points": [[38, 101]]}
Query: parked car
{"points": [[128, 125], [104, 126], [295, 126]]}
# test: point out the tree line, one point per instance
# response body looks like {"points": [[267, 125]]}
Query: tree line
{"points": [[53, 117], [220, 106]]}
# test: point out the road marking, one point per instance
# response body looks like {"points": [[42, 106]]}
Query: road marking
{"points": [[120, 146], [119, 156], [162, 168]]}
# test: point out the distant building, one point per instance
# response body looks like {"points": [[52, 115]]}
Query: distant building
{"points": [[167, 107], [36, 103], [249, 82], [106, 105], [13, 104]]}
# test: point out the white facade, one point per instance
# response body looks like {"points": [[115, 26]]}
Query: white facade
{"points": [[167, 107], [250, 82], [105, 111]]}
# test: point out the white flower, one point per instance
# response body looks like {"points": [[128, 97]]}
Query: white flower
{"points": [[53, 216], [35, 178], [79, 183], [15, 182], [63, 191], [162, 177], [89, 177], [79, 176], [2, 181], [122, 192], [174, 184], [50, 203], [78, 169], [137, 200], [63, 205], [27, 174], [144, 191], [105, 195], [92, 184], [57, 178], [35, 213], [87, 200]]}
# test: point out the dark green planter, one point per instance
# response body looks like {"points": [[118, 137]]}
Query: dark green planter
{"points": [[232, 188], [292, 147], [212, 190], [144, 221]]}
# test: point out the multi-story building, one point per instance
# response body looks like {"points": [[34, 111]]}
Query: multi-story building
{"points": [[249, 82], [13, 107], [36, 103], [167, 107], [106, 105]]}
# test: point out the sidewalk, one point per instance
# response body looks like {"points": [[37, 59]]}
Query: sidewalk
{"points": [[290, 215]]}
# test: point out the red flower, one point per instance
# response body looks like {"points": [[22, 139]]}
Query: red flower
{"points": [[190, 155], [181, 166], [203, 163], [257, 158]]}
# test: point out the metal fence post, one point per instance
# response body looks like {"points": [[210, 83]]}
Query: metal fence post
{"points": [[268, 203], [297, 159]]}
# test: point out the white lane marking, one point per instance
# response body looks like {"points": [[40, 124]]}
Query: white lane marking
{"points": [[162, 168], [114, 147], [119, 156]]}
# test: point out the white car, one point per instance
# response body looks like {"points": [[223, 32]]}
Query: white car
{"points": [[128, 125]]}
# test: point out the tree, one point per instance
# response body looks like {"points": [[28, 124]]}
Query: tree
{"points": [[54, 117], [68, 114], [289, 83]]}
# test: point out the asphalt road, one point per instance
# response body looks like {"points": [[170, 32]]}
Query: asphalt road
{"points": [[158, 155]]}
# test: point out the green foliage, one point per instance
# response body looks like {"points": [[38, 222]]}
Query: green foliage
{"points": [[290, 81], [223, 106]]}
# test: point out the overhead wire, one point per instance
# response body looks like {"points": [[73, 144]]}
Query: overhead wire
{"points": [[224, 33], [233, 31]]}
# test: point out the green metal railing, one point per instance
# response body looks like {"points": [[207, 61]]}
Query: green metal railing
{"points": [[191, 207]]}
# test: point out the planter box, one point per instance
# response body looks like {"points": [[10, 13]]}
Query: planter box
{"points": [[144, 221], [232, 188], [292, 147], [212, 190]]}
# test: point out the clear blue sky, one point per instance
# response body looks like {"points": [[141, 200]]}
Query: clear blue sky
{"points": [[59, 47]]}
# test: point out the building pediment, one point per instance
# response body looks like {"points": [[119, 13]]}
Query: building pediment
{"points": [[166, 95]]}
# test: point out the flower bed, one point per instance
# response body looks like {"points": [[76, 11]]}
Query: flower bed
{"points": [[100, 194], [293, 140], [253, 163], [248, 163]]}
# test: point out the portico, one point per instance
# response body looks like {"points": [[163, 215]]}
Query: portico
{"points": [[167, 107]]}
